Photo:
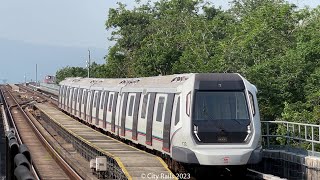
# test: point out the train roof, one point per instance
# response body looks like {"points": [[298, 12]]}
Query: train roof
{"points": [[155, 82]]}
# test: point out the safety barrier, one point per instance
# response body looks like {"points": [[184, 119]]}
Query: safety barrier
{"points": [[301, 137]]}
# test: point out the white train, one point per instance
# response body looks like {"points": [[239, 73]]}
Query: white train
{"points": [[206, 119]]}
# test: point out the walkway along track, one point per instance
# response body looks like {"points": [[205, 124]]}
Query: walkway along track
{"points": [[46, 161]]}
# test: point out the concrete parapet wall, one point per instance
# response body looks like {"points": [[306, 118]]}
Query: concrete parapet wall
{"points": [[290, 165], [313, 170]]}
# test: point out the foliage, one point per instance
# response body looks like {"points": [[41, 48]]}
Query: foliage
{"points": [[70, 72], [96, 70], [272, 43]]}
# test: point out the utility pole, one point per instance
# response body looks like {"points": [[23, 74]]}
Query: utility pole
{"points": [[88, 64]]}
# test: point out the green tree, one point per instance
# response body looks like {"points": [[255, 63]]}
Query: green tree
{"points": [[70, 72], [270, 42]]}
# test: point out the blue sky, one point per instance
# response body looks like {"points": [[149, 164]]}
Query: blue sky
{"points": [[61, 31]]}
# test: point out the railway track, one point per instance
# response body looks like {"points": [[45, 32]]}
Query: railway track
{"points": [[46, 162], [53, 99]]}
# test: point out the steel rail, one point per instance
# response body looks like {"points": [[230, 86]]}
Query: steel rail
{"points": [[43, 95], [260, 175], [8, 112], [70, 171]]}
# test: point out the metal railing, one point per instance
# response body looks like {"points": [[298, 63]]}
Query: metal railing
{"points": [[291, 136]]}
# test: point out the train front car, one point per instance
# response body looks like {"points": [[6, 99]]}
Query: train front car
{"points": [[221, 122]]}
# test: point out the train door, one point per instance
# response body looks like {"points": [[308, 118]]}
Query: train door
{"points": [[123, 114], [151, 101], [121, 111], [60, 96], [111, 112], [158, 121], [70, 100], [74, 102], [78, 106], [84, 104], [135, 116], [126, 125], [103, 109], [66, 99], [98, 99], [174, 126], [89, 106], [66, 92], [95, 107], [142, 119], [100, 107], [114, 112]]}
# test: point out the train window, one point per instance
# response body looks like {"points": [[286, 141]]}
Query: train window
{"points": [[66, 92], [67, 95], [252, 104], [130, 105], [84, 96], [60, 90], [102, 100], [95, 100], [144, 106], [71, 95], [75, 94], [160, 109], [220, 105], [80, 95], [60, 93], [177, 117], [110, 102]]}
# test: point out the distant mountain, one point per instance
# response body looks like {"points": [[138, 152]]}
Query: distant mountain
{"points": [[19, 58]]}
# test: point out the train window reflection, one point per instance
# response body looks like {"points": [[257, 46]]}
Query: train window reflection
{"points": [[160, 109], [110, 102], [144, 106], [131, 105], [177, 117], [252, 104], [220, 106]]}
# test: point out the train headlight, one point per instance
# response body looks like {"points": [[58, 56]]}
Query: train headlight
{"points": [[249, 133]]}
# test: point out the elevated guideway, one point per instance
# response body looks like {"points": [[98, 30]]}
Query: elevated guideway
{"points": [[126, 162]]}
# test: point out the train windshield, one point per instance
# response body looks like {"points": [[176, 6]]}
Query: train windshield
{"points": [[220, 117]]}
